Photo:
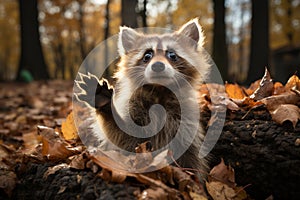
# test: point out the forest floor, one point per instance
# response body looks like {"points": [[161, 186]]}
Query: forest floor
{"points": [[264, 154]]}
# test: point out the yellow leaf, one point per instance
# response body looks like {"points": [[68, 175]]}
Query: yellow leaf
{"points": [[68, 128]]}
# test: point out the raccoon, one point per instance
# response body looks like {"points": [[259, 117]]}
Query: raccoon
{"points": [[158, 69]]}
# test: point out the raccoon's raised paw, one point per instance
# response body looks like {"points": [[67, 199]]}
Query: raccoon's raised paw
{"points": [[103, 94], [96, 93]]}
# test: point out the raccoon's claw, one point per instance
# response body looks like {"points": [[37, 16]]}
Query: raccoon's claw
{"points": [[97, 93]]}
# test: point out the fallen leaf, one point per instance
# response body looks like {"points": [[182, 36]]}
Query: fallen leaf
{"points": [[154, 193], [274, 101], [78, 161], [223, 173], [54, 147], [115, 176], [220, 103], [31, 140], [265, 88], [279, 88], [172, 193], [196, 196], [181, 178], [293, 81], [235, 91], [247, 102], [250, 90], [111, 160], [286, 112], [221, 191], [8, 181], [54, 169], [68, 128]]}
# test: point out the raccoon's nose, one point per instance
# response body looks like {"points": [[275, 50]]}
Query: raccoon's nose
{"points": [[158, 67]]}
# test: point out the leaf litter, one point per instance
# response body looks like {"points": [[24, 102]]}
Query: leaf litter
{"points": [[55, 139]]}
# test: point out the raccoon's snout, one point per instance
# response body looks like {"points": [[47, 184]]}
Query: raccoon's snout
{"points": [[159, 72], [158, 67]]}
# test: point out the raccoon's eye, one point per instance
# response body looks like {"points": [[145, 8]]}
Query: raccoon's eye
{"points": [[148, 56], [171, 55]]}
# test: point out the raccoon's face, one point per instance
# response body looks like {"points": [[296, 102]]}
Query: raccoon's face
{"points": [[162, 59]]}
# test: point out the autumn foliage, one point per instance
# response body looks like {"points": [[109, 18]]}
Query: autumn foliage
{"points": [[56, 140]]}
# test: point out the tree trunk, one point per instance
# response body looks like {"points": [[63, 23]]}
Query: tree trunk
{"points": [[32, 58], [82, 36], [128, 13], [259, 54], [106, 35], [144, 13], [220, 54]]}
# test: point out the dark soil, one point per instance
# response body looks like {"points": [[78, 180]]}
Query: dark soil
{"points": [[263, 154], [68, 184]]}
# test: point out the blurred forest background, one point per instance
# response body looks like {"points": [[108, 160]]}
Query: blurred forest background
{"points": [[50, 38]]}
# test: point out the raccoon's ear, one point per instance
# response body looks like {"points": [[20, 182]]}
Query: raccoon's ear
{"points": [[193, 30], [127, 39]]}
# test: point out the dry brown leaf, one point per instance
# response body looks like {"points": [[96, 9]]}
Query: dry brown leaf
{"points": [[247, 102], [221, 103], [168, 175], [278, 88], [274, 101], [221, 191], [3, 151], [181, 178], [54, 169], [111, 160], [78, 161], [68, 128], [250, 90], [196, 196], [235, 91], [286, 112], [113, 176], [154, 193], [293, 81], [212, 89], [54, 147], [8, 181], [265, 88], [31, 140], [172, 193], [223, 173]]}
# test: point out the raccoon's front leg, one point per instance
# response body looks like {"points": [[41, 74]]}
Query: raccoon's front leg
{"points": [[108, 118]]}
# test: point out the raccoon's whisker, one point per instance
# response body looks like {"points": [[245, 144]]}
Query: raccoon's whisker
{"points": [[175, 78], [189, 77]]}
